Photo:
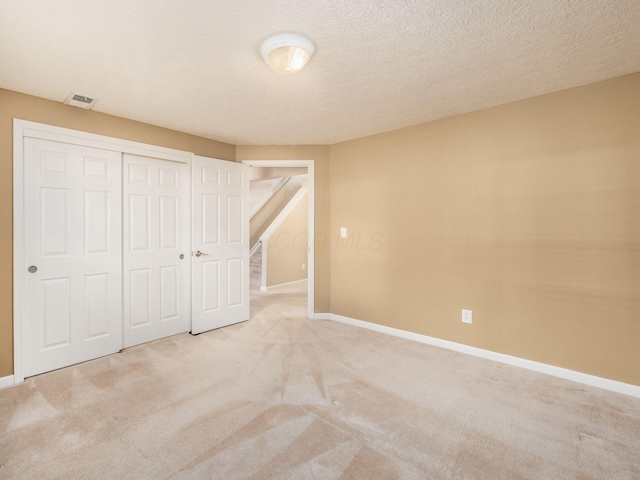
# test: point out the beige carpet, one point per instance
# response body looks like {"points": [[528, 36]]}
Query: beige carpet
{"points": [[288, 398]]}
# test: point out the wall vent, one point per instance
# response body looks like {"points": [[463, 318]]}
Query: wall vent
{"points": [[80, 101]]}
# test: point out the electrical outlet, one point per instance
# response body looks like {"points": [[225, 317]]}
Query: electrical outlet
{"points": [[304, 266], [343, 232], [467, 316]]}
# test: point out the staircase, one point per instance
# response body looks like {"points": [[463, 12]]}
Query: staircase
{"points": [[255, 264], [269, 210], [272, 205]]}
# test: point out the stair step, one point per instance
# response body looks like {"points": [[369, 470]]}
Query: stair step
{"points": [[255, 269]]}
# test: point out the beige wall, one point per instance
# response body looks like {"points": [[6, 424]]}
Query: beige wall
{"points": [[25, 107], [320, 155], [287, 247], [527, 213]]}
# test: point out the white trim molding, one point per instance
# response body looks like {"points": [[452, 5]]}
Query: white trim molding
{"points": [[286, 284], [7, 381], [77, 137], [284, 213], [264, 201], [255, 248], [586, 379]]}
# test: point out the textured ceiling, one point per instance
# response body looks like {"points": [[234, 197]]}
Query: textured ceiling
{"points": [[195, 66]]}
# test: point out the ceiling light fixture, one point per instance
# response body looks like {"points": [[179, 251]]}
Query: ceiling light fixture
{"points": [[287, 53]]}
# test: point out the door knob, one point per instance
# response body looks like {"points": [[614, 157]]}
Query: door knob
{"points": [[32, 269], [181, 256], [199, 253]]}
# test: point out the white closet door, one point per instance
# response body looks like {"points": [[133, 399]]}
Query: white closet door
{"points": [[220, 223], [73, 307], [156, 249]]}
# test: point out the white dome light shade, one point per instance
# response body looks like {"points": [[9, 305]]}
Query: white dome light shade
{"points": [[287, 53]]}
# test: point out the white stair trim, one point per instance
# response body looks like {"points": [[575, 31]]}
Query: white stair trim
{"points": [[579, 377], [284, 213], [255, 248], [259, 206]]}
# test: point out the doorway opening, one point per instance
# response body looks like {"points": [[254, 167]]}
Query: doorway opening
{"points": [[282, 229]]}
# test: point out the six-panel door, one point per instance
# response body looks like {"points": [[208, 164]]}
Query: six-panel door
{"points": [[220, 223], [73, 284], [156, 249]]}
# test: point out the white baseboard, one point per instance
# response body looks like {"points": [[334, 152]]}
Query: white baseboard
{"points": [[287, 284], [6, 381], [564, 373]]}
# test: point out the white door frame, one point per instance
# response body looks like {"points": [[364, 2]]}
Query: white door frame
{"points": [[22, 129], [310, 217]]}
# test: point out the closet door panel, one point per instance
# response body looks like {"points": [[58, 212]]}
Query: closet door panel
{"points": [[73, 282], [156, 249]]}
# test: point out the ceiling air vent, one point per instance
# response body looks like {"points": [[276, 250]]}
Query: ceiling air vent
{"points": [[80, 101]]}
